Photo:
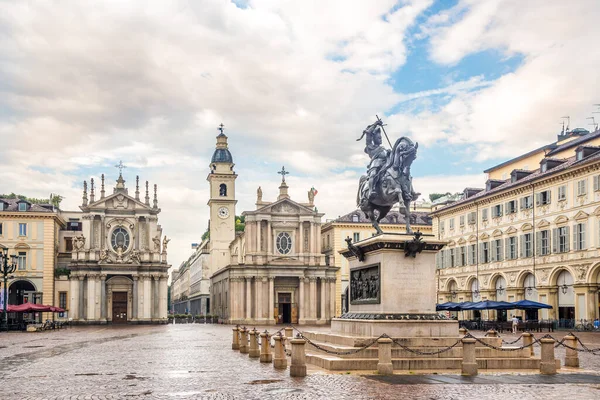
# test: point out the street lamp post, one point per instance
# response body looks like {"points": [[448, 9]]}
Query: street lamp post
{"points": [[6, 270]]}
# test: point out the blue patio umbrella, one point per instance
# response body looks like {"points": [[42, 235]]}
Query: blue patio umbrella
{"points": [[448, 306], [529, 305], [489, 305]]}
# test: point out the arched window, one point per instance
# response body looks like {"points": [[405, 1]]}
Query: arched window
{"points": [[223, 189]]}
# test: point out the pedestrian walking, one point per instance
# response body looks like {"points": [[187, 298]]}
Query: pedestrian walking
{"points": [[515, 323]]}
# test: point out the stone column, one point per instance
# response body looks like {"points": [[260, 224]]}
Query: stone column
{"points": [[135, 297], [298, 367], [311, 241], [265, 348], [312, 305], [254, 351], [469, 363], [103, 297], [155, 296], [323, 299], [248, 298], [384, 349], [91, 298], [548, 363], [74, 298], [82, 310], [527, 341], [571, 356], [261, 300], [269, 238], [162, 298], [271, 299], [140, 299], [301, 238], [147, 297], [235, 345], [332, 297], [279, 361], [301, 313], [244, 341], [258, 234]]}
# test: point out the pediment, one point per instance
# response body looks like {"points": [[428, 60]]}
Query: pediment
{"points": [[485, 236], [543, 223], [472, 238], [497, 232], [511, 230], [526, 227], [451, 243], [581, 215], [561, 219], [462, 241], [283, 206], [116, 201], [597, 211]]}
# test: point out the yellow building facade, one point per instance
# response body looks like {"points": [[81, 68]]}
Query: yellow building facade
{"points": [[30, 232], [355, 225], [534, 235]]}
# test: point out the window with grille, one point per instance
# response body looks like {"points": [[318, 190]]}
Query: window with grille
{"points": [[62, 300]]}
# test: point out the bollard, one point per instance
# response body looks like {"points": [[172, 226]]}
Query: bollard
{"points": [[492, 333], [527, 340], [265, 348], [279, 361], [244, 341], [235, 345], [384, 350], [548, 364], [572, 356], [462, 331], [469, 363], [289, 332], [254, 351], [298, 367]]}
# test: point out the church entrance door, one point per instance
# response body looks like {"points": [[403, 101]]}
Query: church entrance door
{"points": [[285, 307], [119, 308]]}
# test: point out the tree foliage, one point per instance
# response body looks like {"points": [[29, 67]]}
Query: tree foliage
{"points": [[240, 224]]}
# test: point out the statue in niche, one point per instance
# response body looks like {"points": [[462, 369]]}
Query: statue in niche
{"points": [[258, 195], [156, 240], [165, 242], [120, 253]]}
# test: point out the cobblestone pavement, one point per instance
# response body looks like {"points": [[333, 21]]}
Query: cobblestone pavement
{"points": [[196, 362]]}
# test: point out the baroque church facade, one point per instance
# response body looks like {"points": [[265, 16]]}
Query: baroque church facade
{"points": [[118, 265], [272, 272]]}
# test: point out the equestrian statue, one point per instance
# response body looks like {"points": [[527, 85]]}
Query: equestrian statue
{"points": [[388, 179]]}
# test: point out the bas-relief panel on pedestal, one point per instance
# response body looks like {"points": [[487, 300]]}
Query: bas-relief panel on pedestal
{"points": [[365, 284]]}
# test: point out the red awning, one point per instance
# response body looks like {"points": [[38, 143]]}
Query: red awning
{"points": [[29, 307]]}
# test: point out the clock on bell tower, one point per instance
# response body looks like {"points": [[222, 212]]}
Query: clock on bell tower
{"points": [[222, 203]]}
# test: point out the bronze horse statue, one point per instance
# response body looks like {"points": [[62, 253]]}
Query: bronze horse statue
{"points": [[391, 183]]}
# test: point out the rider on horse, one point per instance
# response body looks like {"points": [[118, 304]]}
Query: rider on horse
{"points": [[377, 153]]}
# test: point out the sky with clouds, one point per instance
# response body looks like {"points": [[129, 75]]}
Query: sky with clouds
{"points": [[84, 84]]}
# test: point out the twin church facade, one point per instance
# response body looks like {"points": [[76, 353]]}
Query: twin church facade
{"points": [[272, 272]]}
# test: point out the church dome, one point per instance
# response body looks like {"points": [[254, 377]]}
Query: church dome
{"points": [[222, 155]]}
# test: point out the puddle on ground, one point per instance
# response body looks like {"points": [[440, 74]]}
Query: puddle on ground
{"points": [[263, 381]]}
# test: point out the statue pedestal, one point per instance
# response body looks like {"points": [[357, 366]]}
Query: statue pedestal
{"points": [[393, 293]]}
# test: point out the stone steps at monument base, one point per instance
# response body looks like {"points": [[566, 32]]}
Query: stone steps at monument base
{"points": [[334, 363], [412, 342], [397, 352]]}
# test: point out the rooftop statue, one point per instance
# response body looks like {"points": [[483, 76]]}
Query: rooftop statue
{"points": [[388, 180]]}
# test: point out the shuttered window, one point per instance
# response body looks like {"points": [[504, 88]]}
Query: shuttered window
{"points": [[543, 243], [472, 254], [484, 214], [543, 198], [511, 207], [526, 202], [562, 192], [596, 183], [462, 221], [451, 226], [581, 187], [484, 252], [560, 239], [579, 237], [496, 250], [511, 248], [463, 256], [525, 248], [497, 211]]}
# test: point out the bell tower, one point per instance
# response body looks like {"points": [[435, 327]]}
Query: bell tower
{"points": [[222, 203]]}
